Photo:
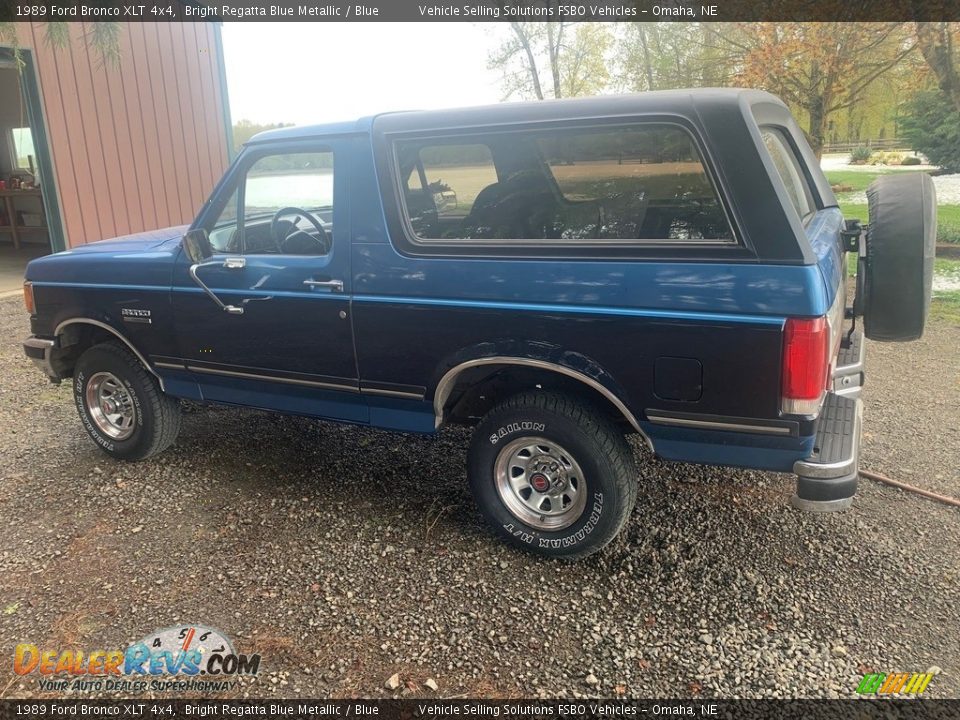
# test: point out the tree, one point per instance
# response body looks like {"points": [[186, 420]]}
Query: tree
{"points": [[243, 130], [661, 56], [819, 68], [932, 125], [568, 59], [104, 37], [939, 43], [582, 64]]}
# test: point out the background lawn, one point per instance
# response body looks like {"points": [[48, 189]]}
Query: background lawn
{"points": [[948, 216], [946, 273], [856, 180], [948, 219], [946, 294]]}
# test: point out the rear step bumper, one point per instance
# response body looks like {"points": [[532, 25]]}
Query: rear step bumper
{"points": [[848, 373], [827, 480]]}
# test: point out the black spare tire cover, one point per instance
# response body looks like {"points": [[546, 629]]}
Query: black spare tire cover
{"points": [[901, 243]]}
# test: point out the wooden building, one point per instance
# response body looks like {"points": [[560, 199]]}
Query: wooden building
{"points": [[100, 150]]}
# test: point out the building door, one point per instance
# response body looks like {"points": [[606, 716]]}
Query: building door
{"points": [[30, 223]]}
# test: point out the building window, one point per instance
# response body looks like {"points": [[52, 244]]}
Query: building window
{"points": [[639, 185], [24, 156]]}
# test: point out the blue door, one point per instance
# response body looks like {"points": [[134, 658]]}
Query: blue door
{"points": [[280, 232]]}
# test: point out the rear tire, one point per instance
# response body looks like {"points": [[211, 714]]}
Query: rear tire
{"points": [[121, 405], [552, 476], [901, 244]]}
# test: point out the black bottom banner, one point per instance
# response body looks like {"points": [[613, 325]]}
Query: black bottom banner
{"points": [[432, 708]]}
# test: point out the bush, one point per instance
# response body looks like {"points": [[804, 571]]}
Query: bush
{"points": [[860, 155], [932, 125], [886, 158], [911, 160]]}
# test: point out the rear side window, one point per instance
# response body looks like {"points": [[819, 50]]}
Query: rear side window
{"points": [[788, 167], [626, 185]]}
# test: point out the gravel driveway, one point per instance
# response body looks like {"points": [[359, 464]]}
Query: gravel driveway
{"points": [[345, 555]]}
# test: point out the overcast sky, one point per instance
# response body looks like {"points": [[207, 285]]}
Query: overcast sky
{"points": [[307, 73]]}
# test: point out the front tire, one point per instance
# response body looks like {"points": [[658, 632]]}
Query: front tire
{"points": [[551, 475], [121, 405]]}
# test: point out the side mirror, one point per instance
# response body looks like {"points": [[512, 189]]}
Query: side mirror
{"points": [[196, 244]]}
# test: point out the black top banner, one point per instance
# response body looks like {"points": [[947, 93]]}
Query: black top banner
{"points": [[481, 11]]}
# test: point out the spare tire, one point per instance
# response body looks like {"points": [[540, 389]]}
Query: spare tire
{"points": [[900, 248]]}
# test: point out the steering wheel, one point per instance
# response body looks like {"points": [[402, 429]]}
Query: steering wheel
{"points": [[322, 238]]}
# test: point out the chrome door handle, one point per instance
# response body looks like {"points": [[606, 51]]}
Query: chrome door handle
{"points": [[235, 263], [334, 285]]}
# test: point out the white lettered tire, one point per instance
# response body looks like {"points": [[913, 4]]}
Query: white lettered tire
{"points": [[552, 475], [121, 405]]}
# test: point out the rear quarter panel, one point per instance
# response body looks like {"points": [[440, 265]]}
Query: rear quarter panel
{"points": [[417, 316]]}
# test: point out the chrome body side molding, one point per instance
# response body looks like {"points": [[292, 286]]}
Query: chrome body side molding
{"points": [[169, 365], [732, 426], [392, 393], [271, 378]]}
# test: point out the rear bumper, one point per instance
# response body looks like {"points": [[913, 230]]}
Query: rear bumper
{"points": [[40, 351], [827, 479]]}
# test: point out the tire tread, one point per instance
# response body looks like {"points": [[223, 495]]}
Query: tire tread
{"points": [[604, 433]]}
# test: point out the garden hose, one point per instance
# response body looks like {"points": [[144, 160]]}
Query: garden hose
{"points": [[945, 499]]}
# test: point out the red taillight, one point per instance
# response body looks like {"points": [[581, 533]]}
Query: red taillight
{"points": [[806, 343]]}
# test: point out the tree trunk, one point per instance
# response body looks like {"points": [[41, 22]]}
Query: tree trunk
{"points": [[818, 124], [531, 60], [553, 46], [647, 65]]}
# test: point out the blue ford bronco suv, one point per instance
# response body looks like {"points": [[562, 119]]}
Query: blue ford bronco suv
{"points": [[556, 274]]}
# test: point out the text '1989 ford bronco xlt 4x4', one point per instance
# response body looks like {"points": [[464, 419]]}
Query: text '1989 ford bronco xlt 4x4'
{"points": [[558, 274]]}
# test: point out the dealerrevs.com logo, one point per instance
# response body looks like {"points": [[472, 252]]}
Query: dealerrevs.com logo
{"points": [[181, 658], [894, 683]]}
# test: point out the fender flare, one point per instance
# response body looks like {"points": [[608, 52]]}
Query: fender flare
{"points": [[443, 389], [116, 333]]}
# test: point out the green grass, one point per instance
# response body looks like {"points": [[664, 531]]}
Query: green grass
{"points": [[948, 216], [852, 263], [945, 305], [948, 220], [856, 179], [945, 266], [941, 266]]}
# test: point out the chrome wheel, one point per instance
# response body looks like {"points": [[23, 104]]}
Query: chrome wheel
{"points": [[540, 483], [110, 406]]}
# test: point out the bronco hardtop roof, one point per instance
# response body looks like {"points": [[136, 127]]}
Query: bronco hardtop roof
{"points": [[726, 124], [684, 103]]}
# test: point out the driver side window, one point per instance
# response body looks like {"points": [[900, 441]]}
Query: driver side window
{"points": [[282, 206]]}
